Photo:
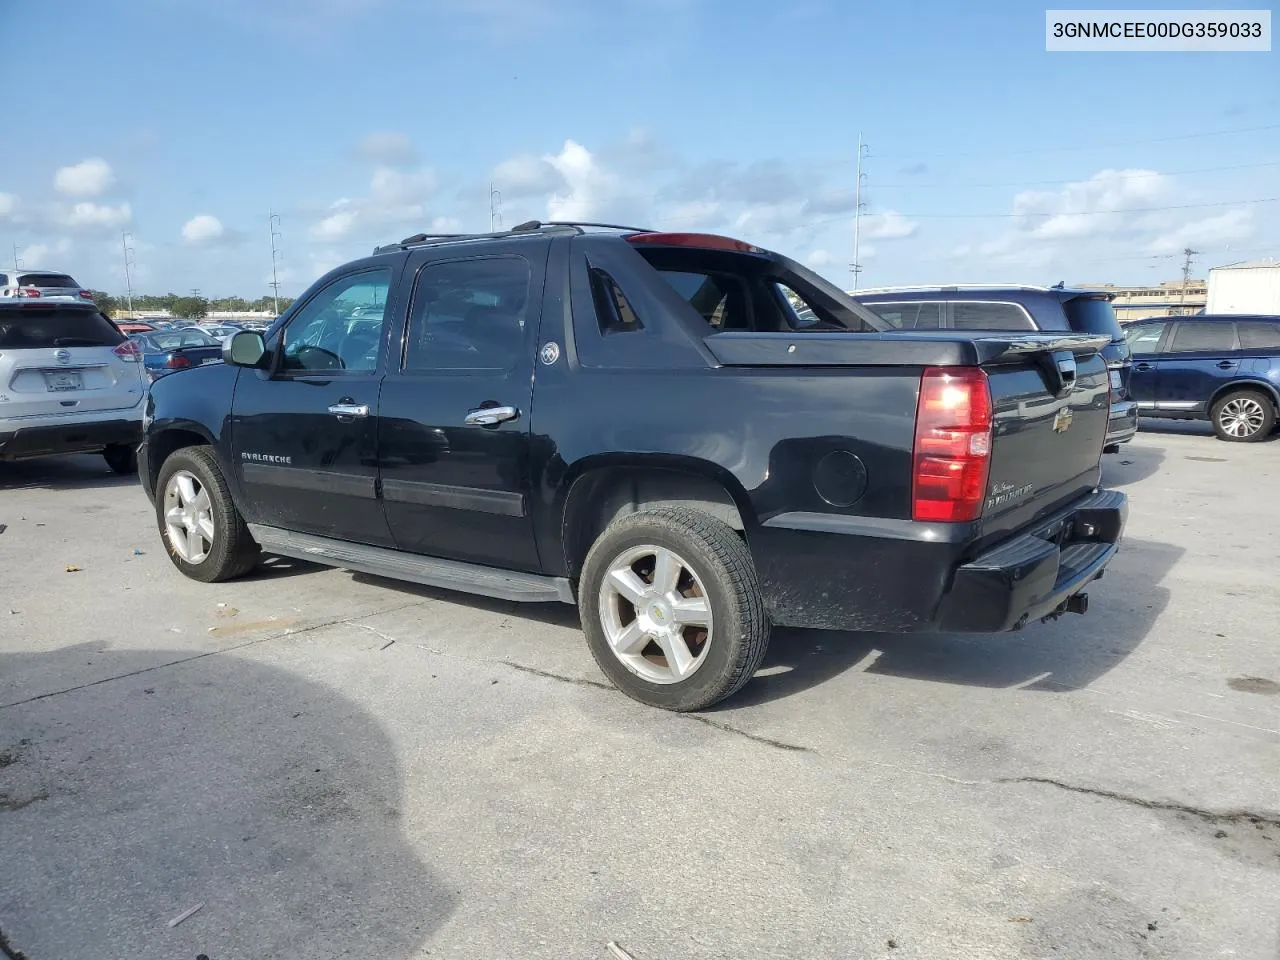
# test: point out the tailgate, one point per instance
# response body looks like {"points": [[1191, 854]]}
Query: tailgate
{"points": [[68, 381], [1050, 405]]}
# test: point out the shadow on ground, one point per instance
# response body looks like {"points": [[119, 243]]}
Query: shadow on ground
{"points": [[78, 471], [555, 614], [271, 800], [1133, 464], [1066, 654]]}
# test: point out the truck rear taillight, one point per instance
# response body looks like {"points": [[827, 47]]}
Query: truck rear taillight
{"points": [[952, 452], [127, 351]]}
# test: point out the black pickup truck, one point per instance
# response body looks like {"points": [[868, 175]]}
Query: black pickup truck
{"points": [[688, 436]]}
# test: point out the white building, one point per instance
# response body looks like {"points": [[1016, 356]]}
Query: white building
{"points": [[1250, 287]]}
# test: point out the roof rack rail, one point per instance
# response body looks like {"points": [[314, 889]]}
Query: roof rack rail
{"points": [[529, 226], [943, 287]]}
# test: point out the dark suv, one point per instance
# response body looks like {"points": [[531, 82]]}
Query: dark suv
{"points": [[1224, 369], [979, 307]]}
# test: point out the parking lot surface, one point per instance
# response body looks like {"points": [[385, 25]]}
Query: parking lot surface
{"points": [[334, 765]]}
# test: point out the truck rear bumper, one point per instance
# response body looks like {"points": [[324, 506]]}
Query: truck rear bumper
{"points": [[1037, 573], [845, 573]]}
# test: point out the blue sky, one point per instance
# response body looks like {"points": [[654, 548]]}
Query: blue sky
{"points": [[362, 121]]}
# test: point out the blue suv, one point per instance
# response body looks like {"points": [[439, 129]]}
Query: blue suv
{"points": [[1224, 369], [980, 307]]}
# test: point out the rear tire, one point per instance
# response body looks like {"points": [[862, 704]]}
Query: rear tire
{"points": [[200, 527], [121, 458], [1243, 416], [697, 629]]}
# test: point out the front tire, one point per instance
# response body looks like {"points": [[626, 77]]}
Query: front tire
{"points": [[200, 527], [1243, 416], [671, 608]]}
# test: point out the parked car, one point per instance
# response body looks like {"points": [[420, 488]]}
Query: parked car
{"points": [[1011, 307], [637, 422], [70, 382], [41, 284], [1224, 369], [220, 331], [165, 352]]}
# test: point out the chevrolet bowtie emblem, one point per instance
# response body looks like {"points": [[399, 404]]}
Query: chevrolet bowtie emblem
{"points": [[1062, 420]]}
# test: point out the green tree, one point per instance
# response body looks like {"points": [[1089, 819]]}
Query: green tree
{"points": [[105, 301], [190, 308]]}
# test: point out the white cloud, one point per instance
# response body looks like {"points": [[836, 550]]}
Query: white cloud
{"points": [[396, 198], [817, 259], [90, 215], [89, 178], [202, 228], [526, 176], [590, 193], [8, 206], [695, 214], [1225, 227], [389, 148], [889, 225], [45, 255], [1088, 207]]}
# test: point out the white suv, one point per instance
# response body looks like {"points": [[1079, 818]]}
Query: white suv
{"points": [[70, 382], [41, 284]]}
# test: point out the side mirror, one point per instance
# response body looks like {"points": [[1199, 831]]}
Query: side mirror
{"points": [[245, 349]]}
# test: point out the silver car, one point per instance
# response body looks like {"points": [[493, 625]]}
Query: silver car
{"points": [[70, 382], [41, 285]]}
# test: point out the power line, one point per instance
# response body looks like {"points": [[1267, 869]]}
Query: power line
{"points": [[273, 220], [859, 176]]}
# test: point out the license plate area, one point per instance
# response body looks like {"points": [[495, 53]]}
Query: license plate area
{"points": [[60, 381]]}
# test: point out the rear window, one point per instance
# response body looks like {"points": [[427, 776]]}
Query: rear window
{"points": [[1093, 315], [46, 280], [912, 315], [185, 338], [1258, 335], [39, 327]]}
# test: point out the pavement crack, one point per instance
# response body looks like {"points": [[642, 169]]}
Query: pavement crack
{"points": [[291, 632], [1170, 806], [578, 681], [8, 950], [757, 738]]}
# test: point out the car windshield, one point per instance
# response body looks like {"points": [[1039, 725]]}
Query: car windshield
{"points": [[183, 338]]}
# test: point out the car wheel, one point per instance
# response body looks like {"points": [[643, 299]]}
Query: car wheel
{"points": [[121, 458], [202, 531], [671, 608], [1244, 416]]}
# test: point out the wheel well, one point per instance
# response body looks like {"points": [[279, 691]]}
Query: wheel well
{"points": [[600, 496], [162, 445], [1256, 386]]}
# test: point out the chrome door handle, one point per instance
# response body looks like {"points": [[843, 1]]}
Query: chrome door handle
{"points": [[1142, 366], [488, 416], [341, 410], [1226, 364]]}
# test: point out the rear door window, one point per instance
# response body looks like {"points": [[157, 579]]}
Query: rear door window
{"points": [[468, 315], [1258, 335], [41, 327], [968, 315], [1203, 338]]}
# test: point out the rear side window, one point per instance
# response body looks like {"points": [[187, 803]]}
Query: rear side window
{"points": [[46, 280], [1258, 335], [922, 315], [613, 309], [1093, 315], [1212, 337], [468, 315], [40, 327], [1144, 338], [989, 316]]}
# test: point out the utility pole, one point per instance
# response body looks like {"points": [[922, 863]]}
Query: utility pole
{"points": [[495, 208], [856, 266], [1187, 254], [128, 277], [17, 261], [273, 221]]}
